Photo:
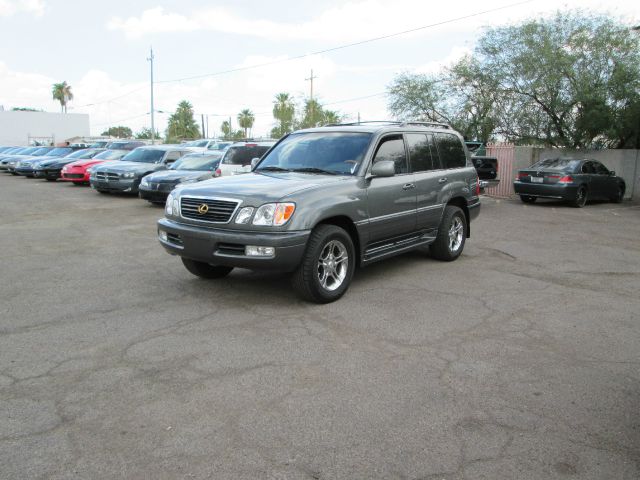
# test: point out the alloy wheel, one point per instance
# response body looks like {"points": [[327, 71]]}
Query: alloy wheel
{"points": [[333, 264]]}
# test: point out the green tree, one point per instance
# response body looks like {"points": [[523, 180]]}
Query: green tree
{"points": [[311, 114], [284, 110], [118, 132], [329, 116], [245, 120], [225, 128], [182, 124], [62, 93], [145, 134]]}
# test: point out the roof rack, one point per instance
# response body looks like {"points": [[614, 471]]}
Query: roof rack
{"points": [[427, 124], [390, 122]]}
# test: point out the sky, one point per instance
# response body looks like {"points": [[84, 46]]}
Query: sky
{"points": [[226, 56]]}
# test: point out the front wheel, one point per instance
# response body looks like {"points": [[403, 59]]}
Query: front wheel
{"points": [[619, 196], [327, 266], [581, 197], [451, 236], [528, 199], [51, 179], [206, 270]]}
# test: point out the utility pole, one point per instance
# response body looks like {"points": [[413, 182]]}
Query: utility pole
{"points": [[202, 120], [153, 128], [310, 79]]}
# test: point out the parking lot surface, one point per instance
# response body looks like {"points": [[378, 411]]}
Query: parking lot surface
{"points": [[521, 360]]}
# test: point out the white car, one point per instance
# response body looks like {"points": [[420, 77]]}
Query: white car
{"points": [[205, 145], [237, 158]]}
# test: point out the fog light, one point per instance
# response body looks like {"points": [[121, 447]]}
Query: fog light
{"points": [[163, 235], [256, 251]]}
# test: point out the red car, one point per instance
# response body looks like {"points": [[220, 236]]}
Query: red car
{"points": [[77, 173]]}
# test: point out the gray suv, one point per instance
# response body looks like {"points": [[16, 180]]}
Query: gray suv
{"points": [[325, 200]]}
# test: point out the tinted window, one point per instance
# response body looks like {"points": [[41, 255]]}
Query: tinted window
{"points": [[451, 152], [392, 148], [219, 146], [111, 155], [196, 162], [420, 152], [83, 154], [600, 169], [243, 155], [561, 164], [144, 155], [588, 167], [59, 152]]}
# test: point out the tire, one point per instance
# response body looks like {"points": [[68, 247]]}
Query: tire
{"points": [[451, 236], [205, 270], [51, 179], [104, 192], [528, 199], [619, 195], [581, 197], [319, 278]]}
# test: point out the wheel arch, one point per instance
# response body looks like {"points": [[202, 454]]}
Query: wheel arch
{"points": [[346, 224], [461, 203]]}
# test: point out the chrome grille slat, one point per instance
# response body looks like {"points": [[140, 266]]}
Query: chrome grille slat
{"points": [[219, 211]]}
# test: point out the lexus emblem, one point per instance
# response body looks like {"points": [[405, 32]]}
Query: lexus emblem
{"points": [[202, 209]]}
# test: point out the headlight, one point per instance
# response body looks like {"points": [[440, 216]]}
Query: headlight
{"points": [[144, 182], [168, 207], [274, 214], [128, 175], [244, 215]]}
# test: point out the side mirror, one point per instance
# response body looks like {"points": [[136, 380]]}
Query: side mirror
{"points": [[254, 162], [383, 168], [612, 173]]}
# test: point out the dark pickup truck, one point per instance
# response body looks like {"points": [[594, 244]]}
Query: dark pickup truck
{"points": [[487, 167]]}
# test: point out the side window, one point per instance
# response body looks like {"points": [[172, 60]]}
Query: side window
{"points": [[587, 167], [421, 152], [392, 148], [172, 156], [451, 152], [601, 169]]}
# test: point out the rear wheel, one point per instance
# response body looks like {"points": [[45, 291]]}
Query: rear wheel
{"points": [[451, 235], [51, 179], [581, 197], [327, 266], [528, 198], [206, 270]]}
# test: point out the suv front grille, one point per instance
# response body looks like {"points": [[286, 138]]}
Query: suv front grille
{"points": [[215, 211], [107, 176]]}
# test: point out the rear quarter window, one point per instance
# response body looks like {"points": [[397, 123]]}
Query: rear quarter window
{"points": [[451, 151]]}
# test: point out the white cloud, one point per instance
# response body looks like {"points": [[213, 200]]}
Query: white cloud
{"points": [[437, 65], [12, 7], [354, 20]]}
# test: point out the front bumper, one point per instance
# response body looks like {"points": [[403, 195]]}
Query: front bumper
{"points": [[219, 246], [77, 176], [559, 191], [156, 192], [24, 171], [125, 185]]}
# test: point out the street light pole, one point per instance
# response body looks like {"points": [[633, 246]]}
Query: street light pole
{"points": [[153, 128]]}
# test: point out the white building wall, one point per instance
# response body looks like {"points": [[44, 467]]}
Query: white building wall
{"points": [[17, 127]]}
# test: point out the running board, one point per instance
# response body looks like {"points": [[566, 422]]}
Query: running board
{"points": [[393, 247]]}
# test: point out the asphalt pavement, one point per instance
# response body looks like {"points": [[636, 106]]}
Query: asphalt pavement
{"points": [[520, 360]]}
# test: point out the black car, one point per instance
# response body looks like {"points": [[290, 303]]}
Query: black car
{"points": [[191, 168], [570, 179], [24, 166], [50, 169]]}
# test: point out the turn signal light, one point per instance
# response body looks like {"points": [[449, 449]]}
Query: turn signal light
{"points": [[566, 179], [218, 173], [477, 186]]}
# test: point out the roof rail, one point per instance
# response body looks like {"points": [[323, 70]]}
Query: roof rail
{"points": [[427, 124], [364, 122]]}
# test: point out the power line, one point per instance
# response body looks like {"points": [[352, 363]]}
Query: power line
{"points": [[348, 45]]}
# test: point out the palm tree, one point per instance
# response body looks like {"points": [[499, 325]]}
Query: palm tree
{"points": [[62, 93], [283, 111], [225, 128], [245, 120]]}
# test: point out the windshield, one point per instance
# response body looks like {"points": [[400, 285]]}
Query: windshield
{"points": [[28, 150], [196, 162], [111, 154], [58, 152], [196, 143], [339, 152], [560, 164], [144, 155], [40, 151], [98, 144], [86, 153], [219, 146]]}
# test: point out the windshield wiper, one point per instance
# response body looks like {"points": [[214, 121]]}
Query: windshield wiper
{"points": [[314, 170], [272, 168]]}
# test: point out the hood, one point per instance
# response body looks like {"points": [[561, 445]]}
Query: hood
{"points": [[254, 189], [54, 161], [123, 167], [178, 175], [88, 162]]}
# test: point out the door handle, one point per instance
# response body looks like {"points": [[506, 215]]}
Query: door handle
{"points": [[442, 180], [408, 186]]}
